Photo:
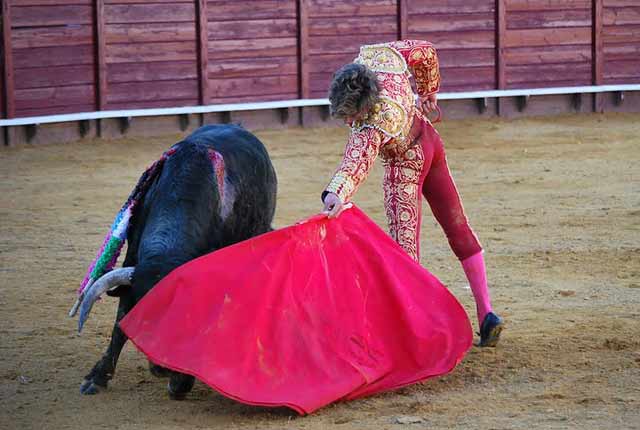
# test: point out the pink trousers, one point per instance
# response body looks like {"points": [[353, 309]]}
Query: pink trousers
{"points": [[423, 171]]}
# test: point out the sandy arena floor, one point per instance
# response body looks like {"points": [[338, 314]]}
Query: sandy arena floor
{"points": [[556, 203]]}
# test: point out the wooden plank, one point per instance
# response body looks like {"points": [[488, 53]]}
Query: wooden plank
{"points": [[53, 56], [101, 56], [156, 71], [344, 26], [613, 52], [2, 92], [151, 104], [147, 13], [345, 44], [621, 3], [451, 6], [149, 91], [458, 40], [203, 52], [303, 48], [253, 86], [54, 76], [452, 22], [251, 29], [597, 45], [403, 19], [55, 110], [319, 82], [579, 73], [621, 81], [548, 84], [145, 1], [34, 16], [49, 2], [550, 54], [547, 5], [243, 67], [468, 76], [7, 49], [2, 79], [622, 16], [157, 51], [467, 57], [548, 37], [350, 8], [226, 49], [329, 63], [622, 69], [18, 3], [479, 86], [501, 37], [250, 9], [254, 98], [154, 32], [621, 34], [55, 96], [549, 19], [52, 36]]}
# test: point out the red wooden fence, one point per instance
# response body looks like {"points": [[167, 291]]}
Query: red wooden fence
{"points": [[252, 50], [62, 56], [464, 34], [621, 41], [51, 46]]}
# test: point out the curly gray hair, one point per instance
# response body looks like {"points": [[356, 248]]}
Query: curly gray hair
{"points": [[354, 88]]}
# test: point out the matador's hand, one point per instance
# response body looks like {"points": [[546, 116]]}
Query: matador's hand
{"points": [[428, 103], [332, 205]]}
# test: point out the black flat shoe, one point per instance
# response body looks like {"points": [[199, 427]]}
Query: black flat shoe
{"points": [[490, 330]]}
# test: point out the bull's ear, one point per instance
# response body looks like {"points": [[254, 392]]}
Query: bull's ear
{"points": [[119, 291]]}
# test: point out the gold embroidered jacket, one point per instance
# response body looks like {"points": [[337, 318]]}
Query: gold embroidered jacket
{"points": [[385, 127]]}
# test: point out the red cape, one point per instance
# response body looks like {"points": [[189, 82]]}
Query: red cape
{"points": [[326, 309]]}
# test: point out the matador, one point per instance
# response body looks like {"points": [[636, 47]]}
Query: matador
{"points": [[374, 95]]}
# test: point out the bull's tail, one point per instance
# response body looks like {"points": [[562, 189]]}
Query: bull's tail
{"points": [[114, 240]]}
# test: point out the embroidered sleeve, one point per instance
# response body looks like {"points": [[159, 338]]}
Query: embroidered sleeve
{"points": [[359, 155], [422, 60]]}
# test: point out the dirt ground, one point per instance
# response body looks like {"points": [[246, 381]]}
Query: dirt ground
{"points": [[555, 202]]}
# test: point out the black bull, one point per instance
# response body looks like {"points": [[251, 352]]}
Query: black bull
{"points": [[184, 215]]}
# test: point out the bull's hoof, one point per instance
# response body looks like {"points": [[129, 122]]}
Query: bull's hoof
{"points": [[177, 396], [89, 387], [180, 385], [159, 371]]}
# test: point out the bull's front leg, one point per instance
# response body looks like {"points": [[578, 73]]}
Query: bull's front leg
{"points": [[104, 369]]}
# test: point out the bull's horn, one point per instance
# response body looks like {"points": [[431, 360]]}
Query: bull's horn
{"points": [[76, 305], [105, 282]]}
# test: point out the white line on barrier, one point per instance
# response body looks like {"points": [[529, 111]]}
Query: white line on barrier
{"points": [[283, 104]]}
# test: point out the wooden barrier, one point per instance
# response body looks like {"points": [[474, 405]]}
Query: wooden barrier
{"points": [[95, 55]]}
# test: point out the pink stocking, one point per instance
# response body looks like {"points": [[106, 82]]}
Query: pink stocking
{"points": [[476, 273]]}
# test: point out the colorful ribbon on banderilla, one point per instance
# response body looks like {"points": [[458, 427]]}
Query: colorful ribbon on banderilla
{"points": [[109, 252]]}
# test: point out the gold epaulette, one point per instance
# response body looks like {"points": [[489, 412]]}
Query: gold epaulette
{"points": [[380, 58]]}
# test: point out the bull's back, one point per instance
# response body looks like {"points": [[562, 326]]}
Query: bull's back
{"points": [[250, 174]]}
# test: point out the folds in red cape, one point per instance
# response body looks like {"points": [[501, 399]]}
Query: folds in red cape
{"points": [[326, 309]]}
